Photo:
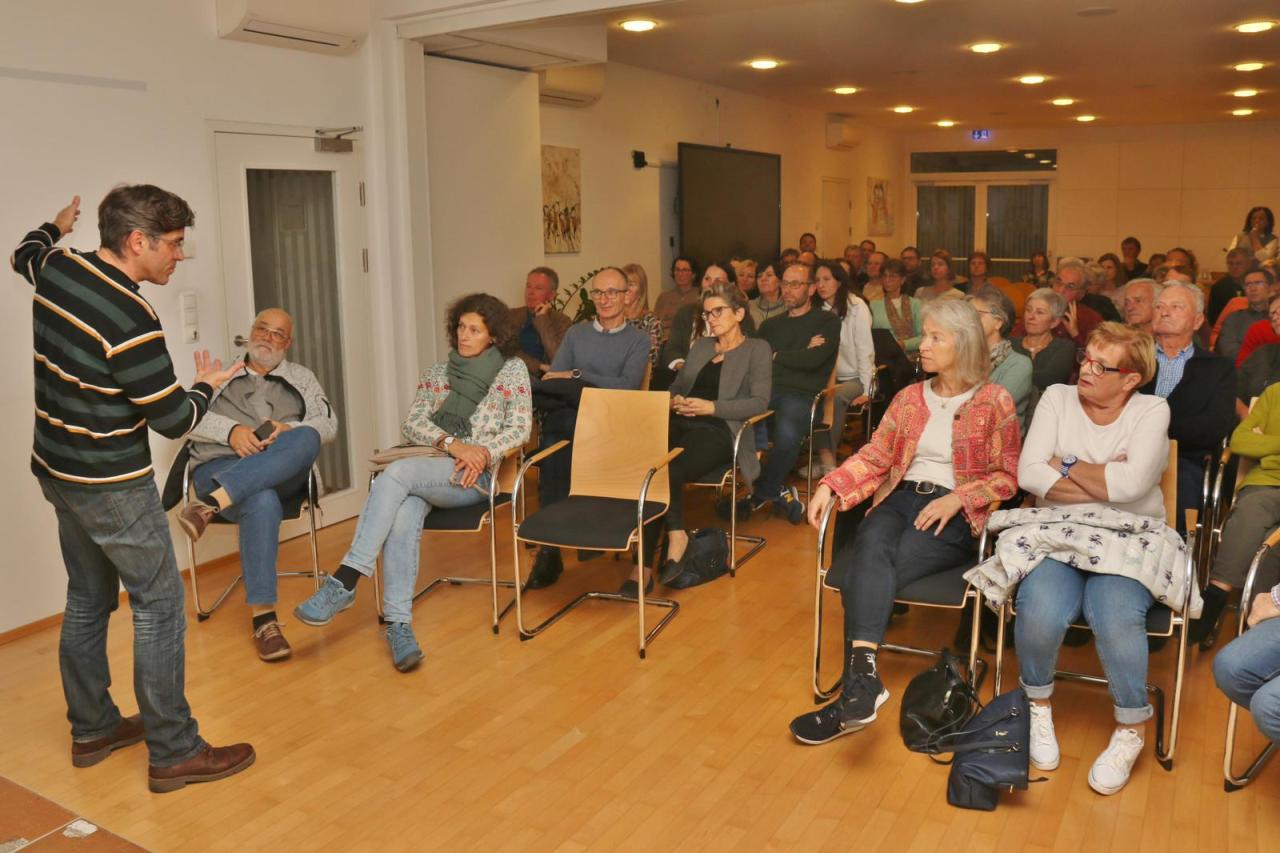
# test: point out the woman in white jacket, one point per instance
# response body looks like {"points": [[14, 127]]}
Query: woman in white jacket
{"points": [[855, 363]]}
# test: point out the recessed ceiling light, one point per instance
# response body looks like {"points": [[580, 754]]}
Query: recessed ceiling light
{"points": [[1244, 93], [1031, 79], [903, 108], [1063, 102], [1046, 162], [1030, 155], [1085, 118], [638, 25], [845, 90], [1248, 66], [946, 122], [986, 47], [763, 64], [1242, 112], [909, 2], [1013, 150], [1255, 26]]}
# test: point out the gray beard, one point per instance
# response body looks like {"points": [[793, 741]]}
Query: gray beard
{"points": [[267, 363]]}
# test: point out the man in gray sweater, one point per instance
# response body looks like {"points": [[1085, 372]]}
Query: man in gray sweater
{"points": [[607, 352]]}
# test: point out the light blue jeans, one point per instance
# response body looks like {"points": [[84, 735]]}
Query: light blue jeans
{"points": [[398, 503], [1248, 671], [1054, 596]]}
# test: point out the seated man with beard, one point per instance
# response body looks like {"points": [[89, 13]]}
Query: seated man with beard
{"points": [[243, 477]]}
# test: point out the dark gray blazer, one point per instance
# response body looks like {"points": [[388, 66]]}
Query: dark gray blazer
{"points": [[746, 383]]}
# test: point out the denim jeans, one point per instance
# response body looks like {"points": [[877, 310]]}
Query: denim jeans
{"points": [[788, 427], [1248, 671], [887, 554], [1190, 488], [1054, 596], [257, 484], [398, 502], [109, 537]]}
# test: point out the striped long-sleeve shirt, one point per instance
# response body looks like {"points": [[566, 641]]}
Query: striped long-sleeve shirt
{"points": [[102, 372]]}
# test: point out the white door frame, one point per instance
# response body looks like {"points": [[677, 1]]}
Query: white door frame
{"points": [[980, 181]]}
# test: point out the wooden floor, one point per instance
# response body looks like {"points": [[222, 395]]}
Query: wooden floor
{"points": [[570, 742]]}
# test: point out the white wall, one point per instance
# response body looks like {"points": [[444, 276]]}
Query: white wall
{"points": [[485, 188], [1187, 185], [67, 138], [649, 111]]}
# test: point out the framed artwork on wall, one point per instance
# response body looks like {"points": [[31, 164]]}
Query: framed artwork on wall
{"points": [[879, 211], [561, 200]]}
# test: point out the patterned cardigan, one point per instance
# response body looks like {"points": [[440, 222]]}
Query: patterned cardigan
{"points": [[985, 443], [499, 424]]}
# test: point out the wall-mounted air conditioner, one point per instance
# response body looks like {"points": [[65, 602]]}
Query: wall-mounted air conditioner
{"points": [[572, 86], [842, 135], [320, 26]]}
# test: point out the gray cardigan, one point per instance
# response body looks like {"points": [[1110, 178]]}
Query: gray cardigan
{"points": [[746, 383]]}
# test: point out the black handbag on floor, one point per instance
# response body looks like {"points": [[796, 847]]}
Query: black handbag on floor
{"points": [[937, 702], [991, 753], [706, 559]]}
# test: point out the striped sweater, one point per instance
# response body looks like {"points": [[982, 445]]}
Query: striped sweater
{"points": [[102, 373]]}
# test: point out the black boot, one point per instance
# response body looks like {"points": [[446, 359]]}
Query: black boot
{"points": [[1215, 601], [547, 567]]}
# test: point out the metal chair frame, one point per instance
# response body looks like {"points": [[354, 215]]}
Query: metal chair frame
{"points": [[827, 394], [496, 500], [1231, 781], [308, 509], [729, 482], [972, 599]]}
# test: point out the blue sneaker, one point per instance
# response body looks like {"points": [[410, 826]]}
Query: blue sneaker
{"points": [[328, 601], [405, 651], [790, 505]]}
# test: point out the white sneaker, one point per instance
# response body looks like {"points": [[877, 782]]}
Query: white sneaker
{"points": [[1111, 771], [1044, 742]]}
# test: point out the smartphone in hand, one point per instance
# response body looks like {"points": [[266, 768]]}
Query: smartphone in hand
{"points": [[264, 430]]}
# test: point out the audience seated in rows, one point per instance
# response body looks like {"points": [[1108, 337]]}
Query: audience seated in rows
{"points": [[896, 311], [946, 449], [1091, 447], [687, 327], [1052, 357], [473, 409], [669, 302], [1241, 312], [1078, 320], [635, 306], [1262, 368], [1009, 368], [855, 359], [247, 479], [769, 303], [540, 327]]}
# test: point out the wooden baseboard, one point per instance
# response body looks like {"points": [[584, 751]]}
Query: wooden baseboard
{"points": [[56, 619]]}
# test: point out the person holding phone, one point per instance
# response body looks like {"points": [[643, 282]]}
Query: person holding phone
{"points": [[252, 453], [472, 409]]}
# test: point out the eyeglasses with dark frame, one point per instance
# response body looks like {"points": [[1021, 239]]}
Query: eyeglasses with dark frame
{"points": [[715, 313], [611, 293], [1097, 368]]}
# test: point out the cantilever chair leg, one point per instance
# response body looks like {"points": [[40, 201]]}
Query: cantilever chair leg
{"points": [[1230, 780]]}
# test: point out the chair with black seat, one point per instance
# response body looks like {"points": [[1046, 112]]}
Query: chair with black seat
{"points": [[1216, 510], [302, 503], [469, 519], [618, 484], [945, 590], [1162, 621], [1231, 780], [725, 482]]}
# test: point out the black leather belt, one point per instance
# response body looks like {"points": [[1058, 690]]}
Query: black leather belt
{"points": [[923, 488]]}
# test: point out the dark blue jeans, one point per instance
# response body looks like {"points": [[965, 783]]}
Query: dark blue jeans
{"points": [[109, 537], [788, 427], [257, 484], [887, 554]]}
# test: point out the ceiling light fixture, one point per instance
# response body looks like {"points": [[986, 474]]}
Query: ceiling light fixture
{"points": [[763, 64], [986, 47], [1063, 102], [1046, 162], [946, 122], [909, 2], [904, 109], [1255, 26], [845, 90], [1248, 66], [1086, 118], [1244, 93], [1242, 112], [1031, 79], [639, 25], [1030, 155]]}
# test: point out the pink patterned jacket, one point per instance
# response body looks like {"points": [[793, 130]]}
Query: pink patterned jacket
{"points": [[985, 443]]}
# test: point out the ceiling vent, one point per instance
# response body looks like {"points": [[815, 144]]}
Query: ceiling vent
{"points": [[325, 26], [842, 135]]}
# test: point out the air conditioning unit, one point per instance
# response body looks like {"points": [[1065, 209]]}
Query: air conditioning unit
{"points": [[841, 134], [334, 27], [572, 86]]}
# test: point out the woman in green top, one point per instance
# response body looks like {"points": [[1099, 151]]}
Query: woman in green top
{"points": [[896, 311]]}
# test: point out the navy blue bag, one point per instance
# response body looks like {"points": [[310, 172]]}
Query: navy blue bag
{"points": [[991, 753]]}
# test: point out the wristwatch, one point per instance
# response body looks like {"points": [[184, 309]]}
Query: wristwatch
{"points": [[448, 440], [1067, 462], [576, 373]]}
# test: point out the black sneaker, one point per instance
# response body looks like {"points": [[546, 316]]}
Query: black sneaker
{"points": [[824, 725], [790, 505], [547, 567], [1215, 601], [863, 695]]}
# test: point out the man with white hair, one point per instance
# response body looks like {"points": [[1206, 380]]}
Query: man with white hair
{"points": [[252, 452], [1140, 297], [1198, 385]]}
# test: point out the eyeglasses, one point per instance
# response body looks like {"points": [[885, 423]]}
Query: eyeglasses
{"points": [[275, 334], [599, 295], [715, 313], [796, 284], [1091, 365]]}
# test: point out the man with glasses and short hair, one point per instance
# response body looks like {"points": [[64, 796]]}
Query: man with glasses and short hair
{"points": [[1242, 312], [102, 377], [253, 452], [607, 352]]}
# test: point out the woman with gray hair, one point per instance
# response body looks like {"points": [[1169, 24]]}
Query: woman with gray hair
{"points": [[1008, 368], [946, 449], [1053, 359]]}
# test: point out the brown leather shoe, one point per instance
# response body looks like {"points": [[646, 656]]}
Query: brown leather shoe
{"points": [[127, 733], [209, 765], [194, 518], [270, 642]]}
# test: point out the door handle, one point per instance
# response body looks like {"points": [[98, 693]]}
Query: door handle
{"points": [[240, 341]]}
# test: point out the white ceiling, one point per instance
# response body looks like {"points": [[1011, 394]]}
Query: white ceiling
{"points": [[1148, 62]]}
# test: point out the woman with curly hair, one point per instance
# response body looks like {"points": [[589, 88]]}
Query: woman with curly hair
{"points": [[473, 408]]}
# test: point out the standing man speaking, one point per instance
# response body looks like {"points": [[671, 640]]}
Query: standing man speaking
{"points": [[102, 377]]}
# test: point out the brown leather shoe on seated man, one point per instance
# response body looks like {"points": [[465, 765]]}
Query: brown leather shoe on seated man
{"points": [[88, 753], [209, 765]]}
